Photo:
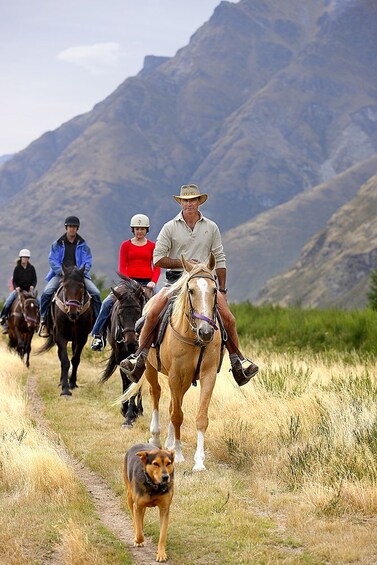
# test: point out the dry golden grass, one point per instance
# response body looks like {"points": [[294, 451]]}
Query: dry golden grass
{"points": [[291, 460], [44, 510]]}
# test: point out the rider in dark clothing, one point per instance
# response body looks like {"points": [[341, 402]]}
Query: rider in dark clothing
{"points": [[24, 278]]}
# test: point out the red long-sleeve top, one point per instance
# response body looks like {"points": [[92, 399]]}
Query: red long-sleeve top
{"points": [[137, 261]]}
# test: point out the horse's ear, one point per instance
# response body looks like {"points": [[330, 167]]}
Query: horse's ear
{"points": [[186, 265], [211, 262], [117, 294], [82, 269], [64, 269], [35, 293]]}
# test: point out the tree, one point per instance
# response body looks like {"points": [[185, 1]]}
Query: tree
{"points": [[372, 294]]}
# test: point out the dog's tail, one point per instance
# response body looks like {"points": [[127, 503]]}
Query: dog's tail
{"points": [[133, 389]]}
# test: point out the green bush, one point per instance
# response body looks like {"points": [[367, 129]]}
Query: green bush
{"points": [[315, 329]]}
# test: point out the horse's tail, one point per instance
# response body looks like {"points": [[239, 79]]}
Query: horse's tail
{"points": [[132, 390], [49, 343], [110, 368]]}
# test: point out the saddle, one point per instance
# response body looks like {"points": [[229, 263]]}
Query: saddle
{"points": [[164, 321]]}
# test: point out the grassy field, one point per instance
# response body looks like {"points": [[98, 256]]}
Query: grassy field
{"points": [[291, 459]]}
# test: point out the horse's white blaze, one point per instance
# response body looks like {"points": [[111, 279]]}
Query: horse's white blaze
{"points": [[203, 287]]}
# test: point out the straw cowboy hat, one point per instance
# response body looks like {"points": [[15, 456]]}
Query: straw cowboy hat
{"points": [[189, 191]]}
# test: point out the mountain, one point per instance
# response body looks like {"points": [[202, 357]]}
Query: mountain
{"points": [[339, 257], [269, 102], [273, 241]]}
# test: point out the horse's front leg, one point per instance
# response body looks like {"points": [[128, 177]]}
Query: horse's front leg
{"points": [[155, 392], [20, 344], [64, 367], [207, 384], [28, 349], [77, 348], [129, 408], [173, 440]]}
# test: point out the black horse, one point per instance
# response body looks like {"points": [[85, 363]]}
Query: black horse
{"points": [[23, 321], [130, 299], [70, 318]]}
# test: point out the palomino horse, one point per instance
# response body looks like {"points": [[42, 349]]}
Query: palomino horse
{"points": [[70, 318], [130, 300], [190, 350], [23, 320]]}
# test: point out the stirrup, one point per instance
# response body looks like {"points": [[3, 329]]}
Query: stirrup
{"points": [[133, 366], [43, 330], [98, 343], [243, 370]]}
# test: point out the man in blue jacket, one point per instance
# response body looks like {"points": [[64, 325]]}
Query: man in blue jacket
{"points": [[69, 250]]}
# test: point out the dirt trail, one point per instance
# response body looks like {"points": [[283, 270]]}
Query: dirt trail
{"points": [[106, 503]]}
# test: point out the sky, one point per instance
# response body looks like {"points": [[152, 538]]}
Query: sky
{"points": [[58, 58]]}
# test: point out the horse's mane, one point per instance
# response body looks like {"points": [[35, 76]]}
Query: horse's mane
{"points": [[128, 283]]}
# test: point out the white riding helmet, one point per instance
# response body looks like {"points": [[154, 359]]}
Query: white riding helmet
{"points": [[139, 221], [24, 253]]}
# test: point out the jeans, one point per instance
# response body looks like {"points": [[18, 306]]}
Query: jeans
{"points": [[7, 304], [52, 286], [103, 315]]}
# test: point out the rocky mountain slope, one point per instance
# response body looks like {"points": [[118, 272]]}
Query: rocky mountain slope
{"points": [[269, 102], [340, 256]]}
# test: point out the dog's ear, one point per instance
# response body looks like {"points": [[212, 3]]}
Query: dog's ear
{"points": [[172, 455], [143, 456]]}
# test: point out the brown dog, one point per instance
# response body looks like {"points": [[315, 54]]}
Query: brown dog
{"points": [[149, 476]]}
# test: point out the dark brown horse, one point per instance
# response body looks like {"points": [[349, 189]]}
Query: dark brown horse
{"points": [[23, 321], [70, 318], [130, 300]]}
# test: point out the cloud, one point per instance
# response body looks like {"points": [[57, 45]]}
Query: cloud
{"points": [[96, 59]]}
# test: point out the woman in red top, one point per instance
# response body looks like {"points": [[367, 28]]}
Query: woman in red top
{"points": [[136, 254], [136, 262]]}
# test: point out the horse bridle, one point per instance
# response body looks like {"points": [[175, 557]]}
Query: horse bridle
{"points": [[23, 313], [122, 331], [65, 305], [195, 315]]}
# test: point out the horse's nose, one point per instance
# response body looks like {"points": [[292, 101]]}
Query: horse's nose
{"points": [[73, 316], [206, 333]]}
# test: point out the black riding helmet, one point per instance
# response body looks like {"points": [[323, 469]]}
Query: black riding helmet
{"points": [[72, 221]]}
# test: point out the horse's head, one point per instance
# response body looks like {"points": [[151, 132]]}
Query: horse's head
{"points": [[29, 308], [199, 288], [73, 284], [131, 300]]}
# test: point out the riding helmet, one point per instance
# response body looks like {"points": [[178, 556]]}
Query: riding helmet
{"points": [[72, 221], [139, 221], [24, 253]]}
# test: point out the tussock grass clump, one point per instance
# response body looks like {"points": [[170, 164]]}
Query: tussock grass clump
{"points": [[312, 426]]}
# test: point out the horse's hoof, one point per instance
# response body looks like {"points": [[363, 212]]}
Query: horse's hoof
{"points": [[127, 425], [66, 393]]}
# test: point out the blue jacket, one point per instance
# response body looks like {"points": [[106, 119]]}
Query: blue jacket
{"points": [[56, 256]]}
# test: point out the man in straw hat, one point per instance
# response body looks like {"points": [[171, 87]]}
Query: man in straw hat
{"points": [[192, 235]]}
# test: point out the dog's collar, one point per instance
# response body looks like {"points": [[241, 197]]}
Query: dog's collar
{"points": [[160, 488]]}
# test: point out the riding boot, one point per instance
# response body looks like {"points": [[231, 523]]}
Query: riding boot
{"points": [[242, 369], [134, 365], [43, 329], [4, 324]]}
